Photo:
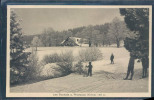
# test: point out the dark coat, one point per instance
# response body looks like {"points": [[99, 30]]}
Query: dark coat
{"points": [[112, 57], [90, 67]]}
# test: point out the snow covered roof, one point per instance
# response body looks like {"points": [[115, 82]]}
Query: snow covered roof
{"points": [[74, 39]]}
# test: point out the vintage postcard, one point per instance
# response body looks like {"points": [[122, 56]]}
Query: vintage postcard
{"points": [[79, 51]]}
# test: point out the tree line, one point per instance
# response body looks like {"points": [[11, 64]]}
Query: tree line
{"points": [[98, 35]]}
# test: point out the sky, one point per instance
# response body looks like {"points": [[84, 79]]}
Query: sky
{"points": [[35, 20]]}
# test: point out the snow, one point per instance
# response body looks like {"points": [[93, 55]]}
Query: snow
{"points": [[107, 78], [49, 70], [121, 57]]}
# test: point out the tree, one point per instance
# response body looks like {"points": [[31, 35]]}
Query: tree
{"points": [[49, 37], [46, 36], [76, 30], [104, 30], [89, 33], [117, 30], [95, 37], [18, 62], [34, 68], [36, 42], [137, 20]]}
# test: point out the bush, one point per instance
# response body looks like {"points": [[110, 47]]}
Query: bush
{"points": [[15, 75], [33, 66], [80, 68], [52, 58], [90, 54], [66, 62], [50, 71], [63, 60]]}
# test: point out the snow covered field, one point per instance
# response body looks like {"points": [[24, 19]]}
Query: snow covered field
{"points": [[121, 57], [106, 77]]}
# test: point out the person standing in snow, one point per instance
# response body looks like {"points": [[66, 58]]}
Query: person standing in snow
{"points": [[111, 58], [90, 69]]}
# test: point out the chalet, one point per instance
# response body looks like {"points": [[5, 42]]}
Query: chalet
{"points": [[74, 41]]}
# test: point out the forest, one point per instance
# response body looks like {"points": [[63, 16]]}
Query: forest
{"points": [[99, 35]]}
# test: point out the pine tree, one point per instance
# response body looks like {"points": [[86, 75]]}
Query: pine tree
{"points": [[18, 61], [137, 20]]}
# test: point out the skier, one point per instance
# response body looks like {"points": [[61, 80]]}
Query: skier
{"points": [[111, 58], [90, 69]]}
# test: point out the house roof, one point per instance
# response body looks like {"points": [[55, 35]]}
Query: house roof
{"points": [[73, 39]]}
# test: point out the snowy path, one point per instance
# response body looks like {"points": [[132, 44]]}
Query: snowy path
{"points": [[103, 80], [99, 82]]}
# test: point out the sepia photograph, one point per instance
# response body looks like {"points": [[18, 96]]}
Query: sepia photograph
{"points": [[79, 51]]}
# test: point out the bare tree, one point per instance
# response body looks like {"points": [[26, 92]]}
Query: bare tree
{"points": [[36, 42], [46, 36], [117, 30], [95, 37]]}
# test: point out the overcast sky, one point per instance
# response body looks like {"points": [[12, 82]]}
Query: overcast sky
{"points": [[34, 20]]}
